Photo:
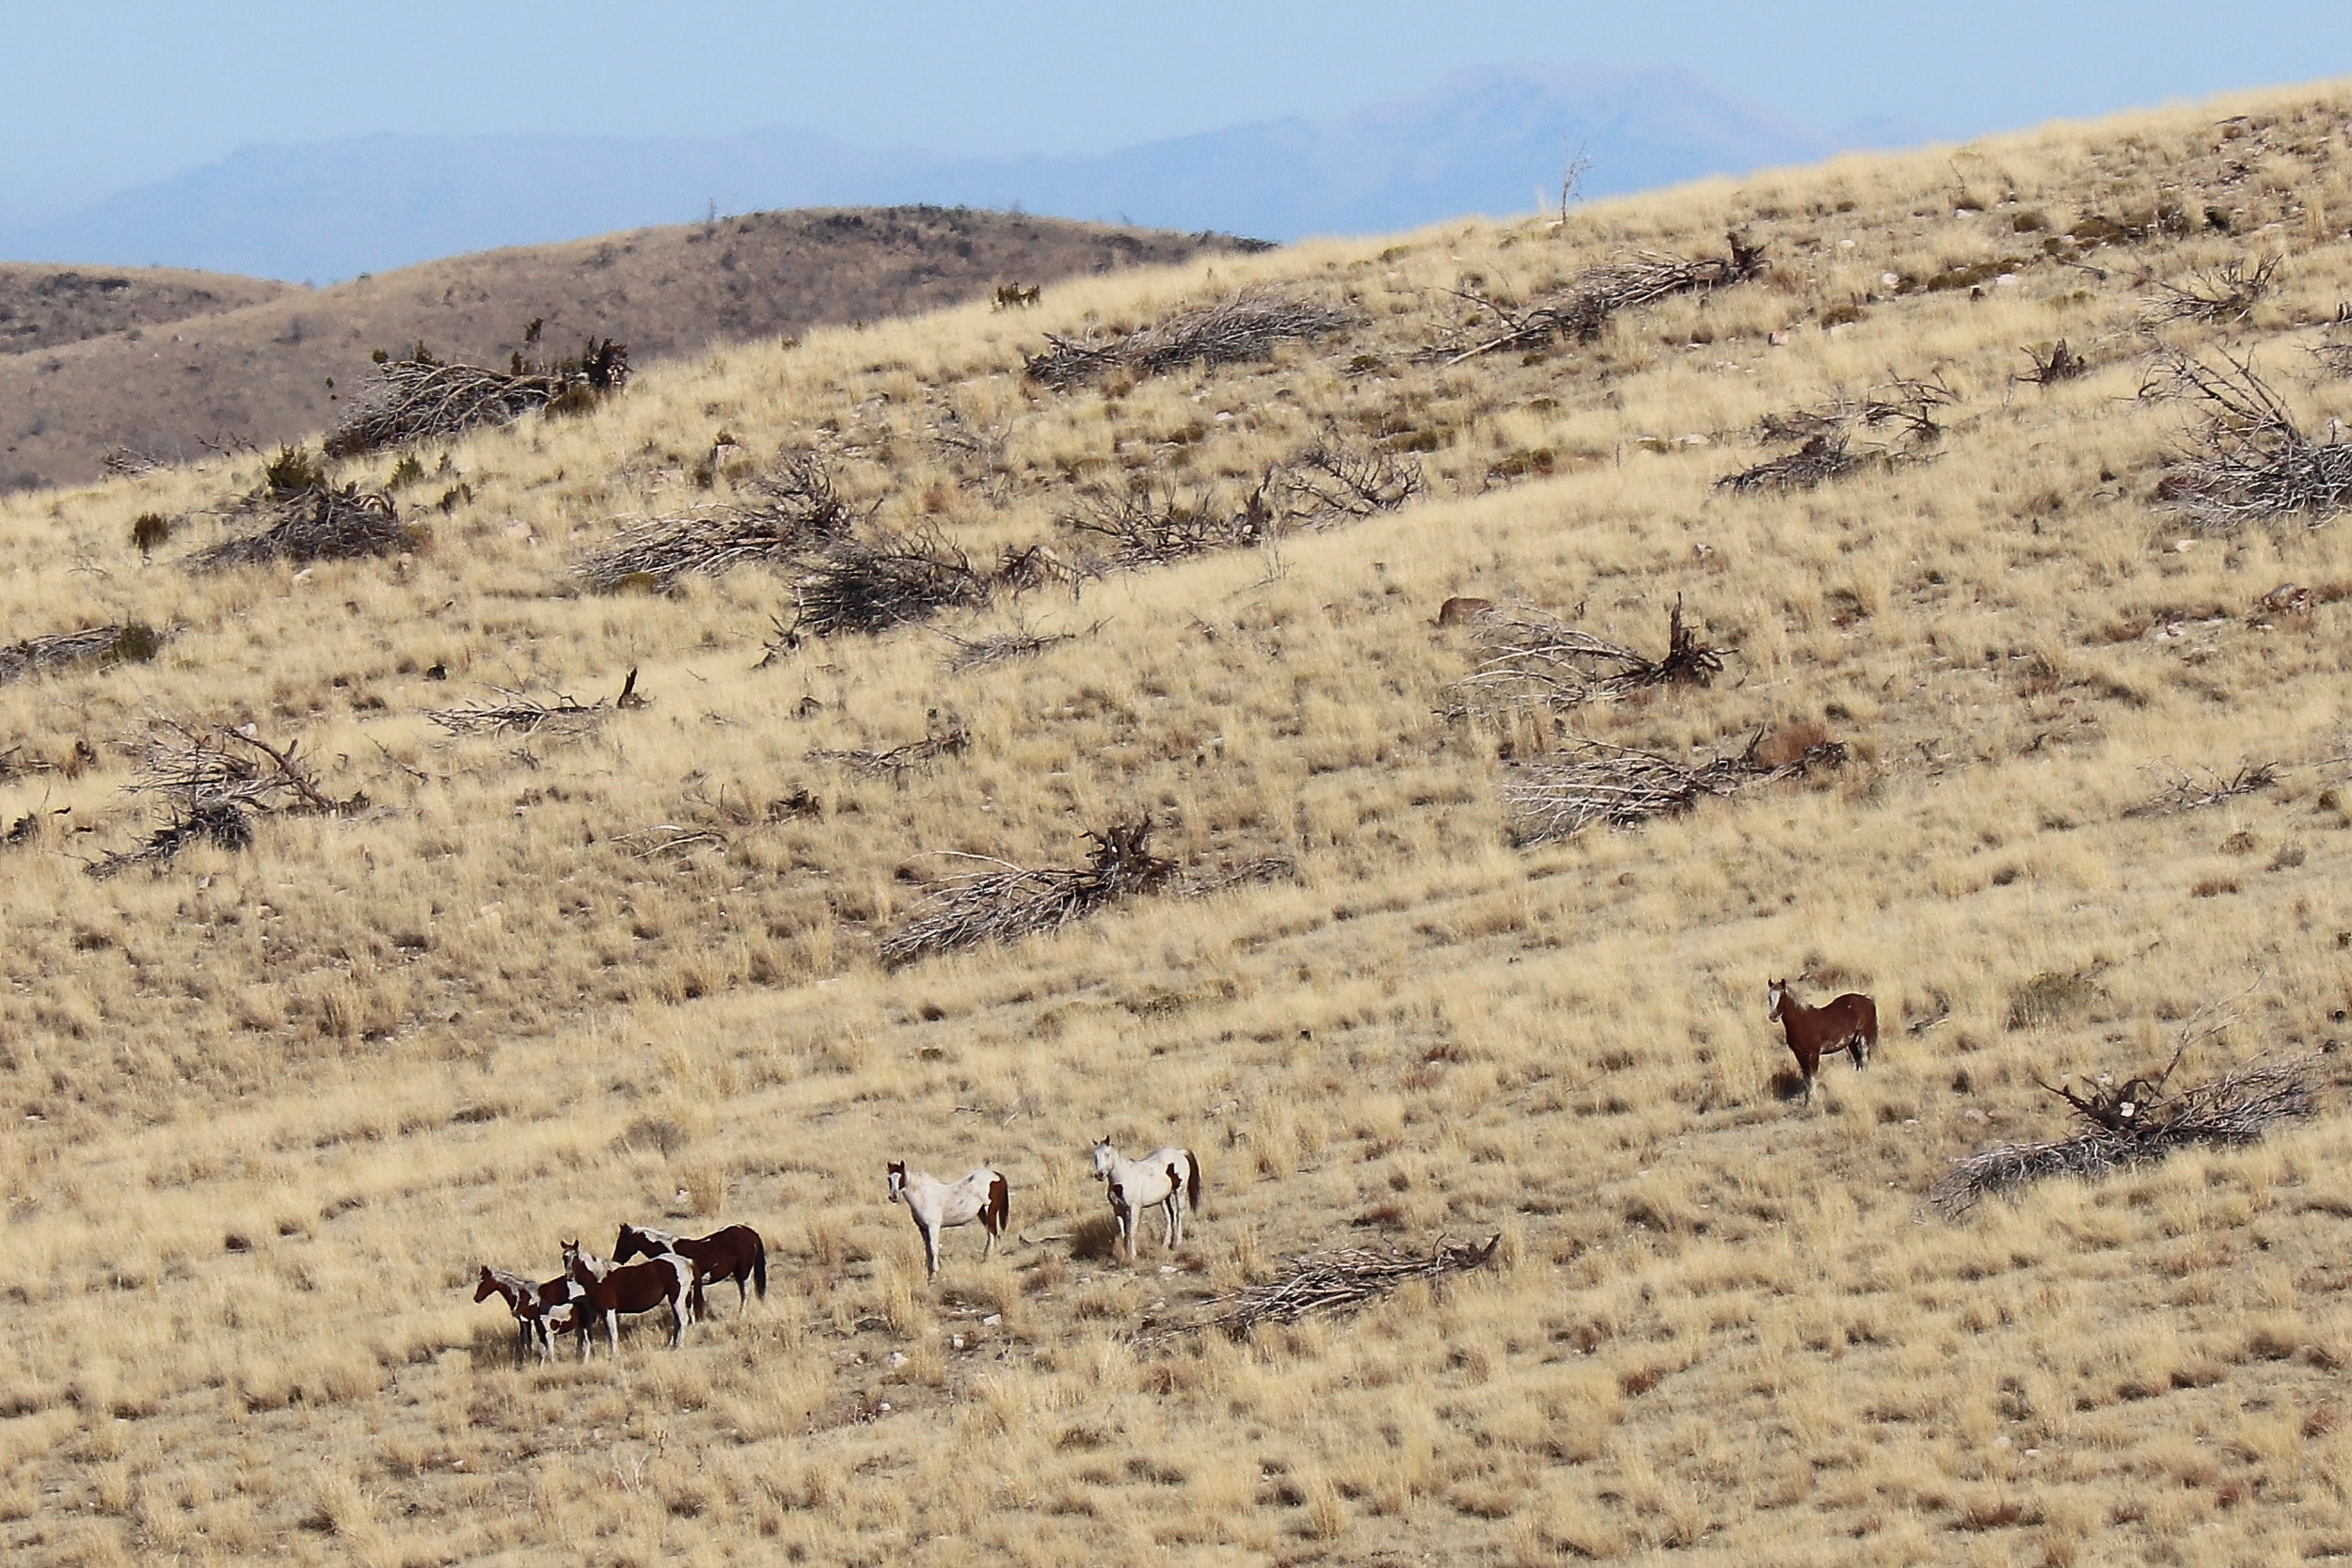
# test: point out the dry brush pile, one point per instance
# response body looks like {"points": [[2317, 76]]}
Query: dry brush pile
{"points": [[419, 398], [2250, 459], [1596, 784], [1009, 902], [2136, 1123], [1906, 408], [322, 523], [112, 644], [786, 512]]}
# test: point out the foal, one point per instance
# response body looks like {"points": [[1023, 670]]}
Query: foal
{"points": [[1170, 1178], [607, 1291], [541, 1311], [736, 1252], [984, 1195], [1848, 1023]]}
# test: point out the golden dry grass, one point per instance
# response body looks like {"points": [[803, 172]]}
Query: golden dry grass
{"points": [[276, 1105]]}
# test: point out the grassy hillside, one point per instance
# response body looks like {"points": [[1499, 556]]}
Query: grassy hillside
{"points": [[267, 363], [48, 307], [278, 1102]]}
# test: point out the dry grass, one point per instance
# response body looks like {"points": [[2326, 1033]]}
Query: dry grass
{"points": [[271, 1107]]}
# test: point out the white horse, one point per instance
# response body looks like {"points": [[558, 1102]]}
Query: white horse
{"points": [[1170, 1178], [984, 1195]]}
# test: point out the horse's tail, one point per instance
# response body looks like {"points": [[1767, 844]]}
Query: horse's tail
{"points": [[1192, 1181], [999, 1204], [759, 1264]]}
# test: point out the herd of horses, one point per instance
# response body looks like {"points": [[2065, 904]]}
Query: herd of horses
{"points": [[671, 1269]]}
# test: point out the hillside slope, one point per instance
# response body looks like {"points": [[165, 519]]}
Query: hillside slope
{"points": [[621, 962], [269, 371], [46, 306]]}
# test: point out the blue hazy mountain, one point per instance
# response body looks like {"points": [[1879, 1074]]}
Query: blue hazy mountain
{"points": [[1486, 141]]}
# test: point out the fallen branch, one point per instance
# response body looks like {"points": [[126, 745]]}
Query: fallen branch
{"points": [[1243, 328], [943, 740], [1822, 457], [2053, 365], [1591, 298], [218, 782], [978, 653], [2214, 294], [1536, 660], [668, 841], [1013, 902], [2194, 791], [521, 713], [1326, 1284], [220, 823]]}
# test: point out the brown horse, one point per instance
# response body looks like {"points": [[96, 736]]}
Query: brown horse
{"points": [[1848, 1023], [607, 1291], [736, 1252]]}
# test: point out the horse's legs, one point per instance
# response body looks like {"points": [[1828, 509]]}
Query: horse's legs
{"points": [[988, 1244], [931, 1250]]}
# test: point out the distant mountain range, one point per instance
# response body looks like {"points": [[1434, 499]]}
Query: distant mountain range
{"points": [[1486, 141]]}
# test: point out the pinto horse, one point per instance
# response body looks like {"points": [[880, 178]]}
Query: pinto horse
{"points": [[1170, 1178], [607, 1291], [1848, 1023], [522, 1299], [541, 1311], [984, 1195], [736, 1252]]}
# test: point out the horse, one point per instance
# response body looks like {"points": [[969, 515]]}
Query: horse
{"points": [[984, 1195], [522, 1299], [1848, 1023], [541, 1311], [736, 1252], [1167, 1177], [607, 1291]]}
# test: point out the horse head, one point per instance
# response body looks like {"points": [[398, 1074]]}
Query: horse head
{"points": [[1103, 1155], [897, 1179], [574, 1265], [488, 1286], [1776, 997], [627, 1244]]}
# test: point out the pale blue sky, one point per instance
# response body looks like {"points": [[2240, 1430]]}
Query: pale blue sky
{"points": [[97, 94]]}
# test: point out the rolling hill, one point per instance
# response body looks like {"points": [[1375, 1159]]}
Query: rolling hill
{"points": [[49, 307], [605, 849], [262, 363]]}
